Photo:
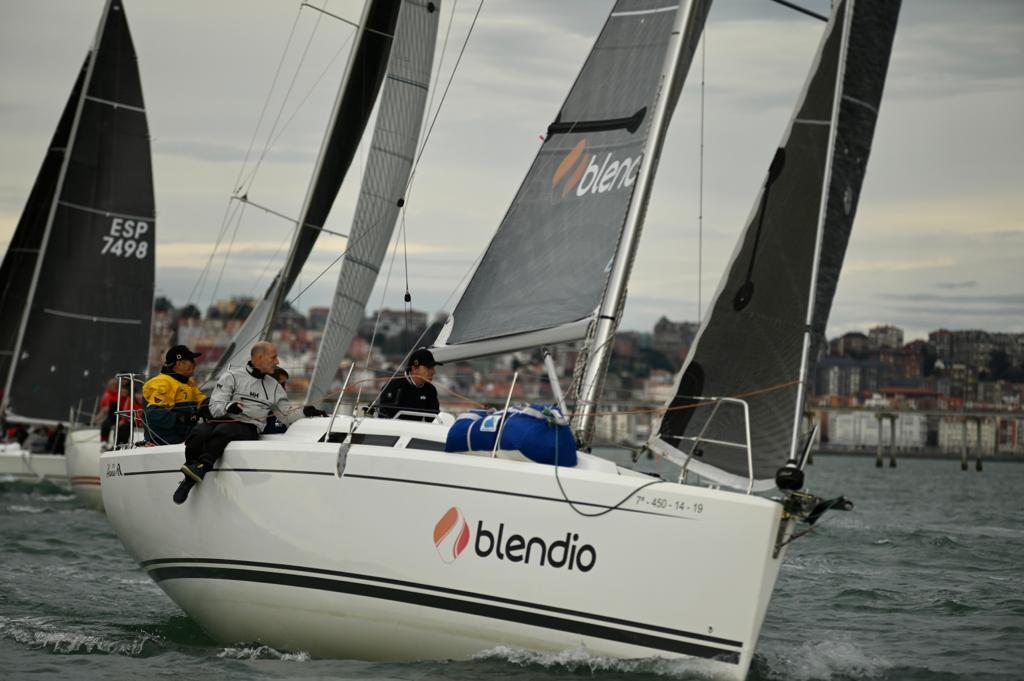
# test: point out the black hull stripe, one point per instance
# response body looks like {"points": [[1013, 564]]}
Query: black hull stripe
{"points": [[450, 604], [444, 590]]}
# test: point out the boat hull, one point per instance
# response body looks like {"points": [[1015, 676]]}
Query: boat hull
{"points": [[412, 555], [82, 451], [18, 464]]}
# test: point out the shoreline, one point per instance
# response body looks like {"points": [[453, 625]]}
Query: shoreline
{"points": [[927, 454]]}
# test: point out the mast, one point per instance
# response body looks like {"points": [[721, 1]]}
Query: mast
{"points": [[809, 330], [37, 269], [685, 36], [283, 282]]}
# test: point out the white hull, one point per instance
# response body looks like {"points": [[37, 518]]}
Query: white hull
{"points": [[275, 547], [18, 464], [82, 451]]}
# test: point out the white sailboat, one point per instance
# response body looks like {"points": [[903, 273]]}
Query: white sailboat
{"points": [[80, 265], [363, 538]]}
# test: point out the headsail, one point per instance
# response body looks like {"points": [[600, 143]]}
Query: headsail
{"points": [[395, 138], [90, 299], [545, 271], [357, 95], [772, 305]]}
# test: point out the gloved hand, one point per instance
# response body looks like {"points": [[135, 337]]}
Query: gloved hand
{"points": [[203, 412], [234, 408], [309, 410]]}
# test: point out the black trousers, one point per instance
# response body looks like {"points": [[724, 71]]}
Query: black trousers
{"points": [[206, 442]]}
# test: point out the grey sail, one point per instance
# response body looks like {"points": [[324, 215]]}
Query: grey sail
{"points": [[388, 165], [759, 340], [545, 271], [87, 315], [356, 98]]}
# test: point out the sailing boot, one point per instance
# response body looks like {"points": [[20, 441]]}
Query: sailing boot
{"points": [[184, 487], [194, 470]]}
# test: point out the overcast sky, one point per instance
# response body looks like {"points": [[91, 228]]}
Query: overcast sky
{"points": [[939, 235]]}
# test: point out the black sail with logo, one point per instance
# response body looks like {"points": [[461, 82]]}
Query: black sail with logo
{"points": [[753, 343], [547, 265], [90, 315]]}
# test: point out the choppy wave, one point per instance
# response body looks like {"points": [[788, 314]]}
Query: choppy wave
{"points": [[577, 660], [44, 634], [818, 661], [262, 653]]}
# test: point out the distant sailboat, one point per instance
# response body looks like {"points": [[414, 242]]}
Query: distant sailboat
{"points": [[398, 550], [77, 280]]}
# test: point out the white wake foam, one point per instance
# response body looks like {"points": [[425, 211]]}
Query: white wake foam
{"points": [[262, 653]]}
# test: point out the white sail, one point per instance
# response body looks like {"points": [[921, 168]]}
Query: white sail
{"points": [[389, 163]]}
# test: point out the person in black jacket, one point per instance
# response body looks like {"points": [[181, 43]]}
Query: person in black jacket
{"points": [[413, 391]]}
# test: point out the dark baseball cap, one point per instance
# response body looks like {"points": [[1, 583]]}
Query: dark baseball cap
{"points": [[179, 352], [422, 357]]}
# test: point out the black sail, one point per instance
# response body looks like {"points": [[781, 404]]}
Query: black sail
{"points": [[20, 260], [752, 345], [90, 314], [547, 266]]}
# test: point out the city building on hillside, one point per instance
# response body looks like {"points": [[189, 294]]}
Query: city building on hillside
{"points": [[852, 344], [848, 376], [885, 337], [318, 318], [391, 324], [673, 339]]}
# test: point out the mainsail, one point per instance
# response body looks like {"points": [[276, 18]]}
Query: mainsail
{"points": [[86, 311], [389, 163], [770, 311], [20, 260], [357, 95], [547, 268]]}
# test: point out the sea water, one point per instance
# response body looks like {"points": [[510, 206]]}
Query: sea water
{"points": [[923, 580]]}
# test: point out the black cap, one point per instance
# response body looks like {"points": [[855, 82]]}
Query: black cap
{"points": [[422, 358], [179, 352]]}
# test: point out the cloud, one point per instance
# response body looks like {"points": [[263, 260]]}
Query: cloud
{"points": [[898, 265], [956, 284]]}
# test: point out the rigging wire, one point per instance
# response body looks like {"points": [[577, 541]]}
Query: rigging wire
{"points": [[231, 212], [292, 300], [440, 105], [280, 112]]}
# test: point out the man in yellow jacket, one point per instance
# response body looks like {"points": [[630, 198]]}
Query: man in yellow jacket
{"points": [[172, 398]]}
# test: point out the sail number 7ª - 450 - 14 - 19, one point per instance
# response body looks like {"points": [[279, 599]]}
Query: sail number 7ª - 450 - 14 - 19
{"points": [[126, 238]]}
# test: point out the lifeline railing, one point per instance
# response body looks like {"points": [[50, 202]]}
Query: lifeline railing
{"points": [[699, 438], [130, 412]]}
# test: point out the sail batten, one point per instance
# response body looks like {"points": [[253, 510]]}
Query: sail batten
{"points": [[771, 308]]}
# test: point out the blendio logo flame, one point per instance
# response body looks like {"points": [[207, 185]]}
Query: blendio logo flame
{"points": [[587, 175], [451, 536]]}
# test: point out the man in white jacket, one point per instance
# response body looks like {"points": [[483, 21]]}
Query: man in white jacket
{"points": [[240, 405]]}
